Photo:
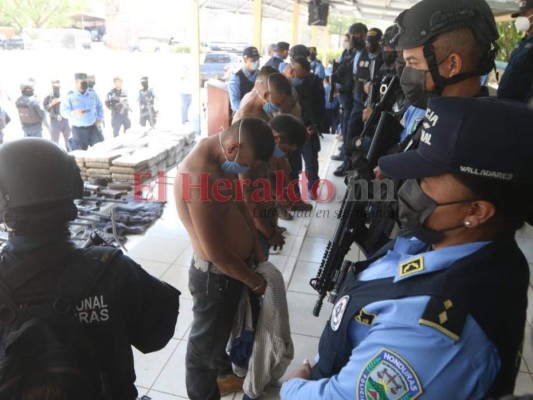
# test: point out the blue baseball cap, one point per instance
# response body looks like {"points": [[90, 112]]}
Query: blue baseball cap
{"points": [[483, 137]]}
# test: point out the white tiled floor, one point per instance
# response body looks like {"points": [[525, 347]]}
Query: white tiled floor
{"points": [[165, 252]]}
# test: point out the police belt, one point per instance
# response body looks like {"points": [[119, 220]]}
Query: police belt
{"points": [[204, 266], [57, 117]]}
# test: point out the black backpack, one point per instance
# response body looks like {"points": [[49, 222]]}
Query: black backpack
{"points": [[45, 352]]}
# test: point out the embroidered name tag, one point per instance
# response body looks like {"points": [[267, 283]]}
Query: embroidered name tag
{"points": [[387, 376]]}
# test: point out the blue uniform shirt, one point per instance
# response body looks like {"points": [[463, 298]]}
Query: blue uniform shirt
{"points": [[89, 103], [517, 80], [330, 104], [411, 119], [234, 88], [318, 69], [428, 362]]}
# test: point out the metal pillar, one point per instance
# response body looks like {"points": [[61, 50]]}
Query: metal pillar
{"points": [[314, 36], [258, 24], [195, 72], [295, 22]]}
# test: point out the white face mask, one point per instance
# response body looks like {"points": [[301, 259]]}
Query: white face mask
{"points": [[255, 65], [345, 45], [522, 24]]}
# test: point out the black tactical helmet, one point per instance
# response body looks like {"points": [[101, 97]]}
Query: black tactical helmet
{"points": [[26, 86], [388, 37], [36, 172], [421, 24], [299, 50], [429, 18]]}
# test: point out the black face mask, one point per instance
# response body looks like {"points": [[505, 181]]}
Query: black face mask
{"points": [[83, 86], [358, 44], [372, 45], [413, 82], [389, 57], [55, 92], [415, 207]]}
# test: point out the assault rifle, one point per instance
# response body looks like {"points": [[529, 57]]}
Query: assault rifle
{"points": [[383, 105], [333, 81], [351, 225]]}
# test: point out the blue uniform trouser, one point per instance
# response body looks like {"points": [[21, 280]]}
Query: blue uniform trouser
{"points": [[33, 130], [215, 300], [355, 127], [346, 101], [85, 136], [186, 100], [310, 154], [117, 121]]}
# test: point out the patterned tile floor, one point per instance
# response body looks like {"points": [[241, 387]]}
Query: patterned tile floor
{"points": [[165, 251]]}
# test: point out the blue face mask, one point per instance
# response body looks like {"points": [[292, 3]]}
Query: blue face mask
{"points": [[270, 108], [232, 167], [278, 153], [297, 81]]}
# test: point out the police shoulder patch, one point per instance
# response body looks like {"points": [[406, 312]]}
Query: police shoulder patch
{"points": [[338, 312], [387, 376], [411, 266], [364, 318], [444, 316]]}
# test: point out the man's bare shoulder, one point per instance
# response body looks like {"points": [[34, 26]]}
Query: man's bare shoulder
{"points": [[198, 160]]}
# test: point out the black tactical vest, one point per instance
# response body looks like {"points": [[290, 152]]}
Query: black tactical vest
{"points": [[490, 285], [244, 84], [363, 75], [27, 113]]}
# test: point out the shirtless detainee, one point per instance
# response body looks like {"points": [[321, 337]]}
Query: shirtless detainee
{"points": [[210, 205]]}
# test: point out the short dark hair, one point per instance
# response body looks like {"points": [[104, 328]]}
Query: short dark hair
{"points": [[279, 83], [463, 42], [358, 27], [282, 46], [257, 134], [513, 201], [266, 71], [303, 62], [291, 129]]}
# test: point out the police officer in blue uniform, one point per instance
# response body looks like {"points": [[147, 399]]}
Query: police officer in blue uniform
{"points": [[441, 313], [125, 306], [58, 124], [360, 75], [317, 67], [83, 108], [517, 80], [243, 81], [280, 55], [31, 114], [117, 102]]}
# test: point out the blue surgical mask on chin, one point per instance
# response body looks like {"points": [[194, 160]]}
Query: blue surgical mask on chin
{"points": [[232, 167], [270, 108], [278, 153], [297, 81]]}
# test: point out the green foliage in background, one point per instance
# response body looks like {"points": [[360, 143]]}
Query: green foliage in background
{"points": [[21, 14], [328, 55], [509, 38]]}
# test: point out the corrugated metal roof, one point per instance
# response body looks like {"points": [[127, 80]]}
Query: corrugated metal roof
{"points": [[371, 9]]}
